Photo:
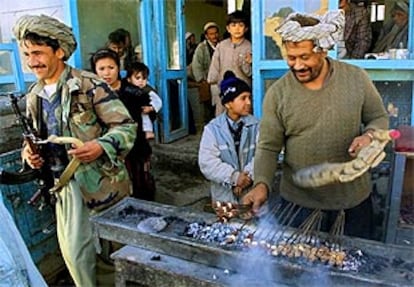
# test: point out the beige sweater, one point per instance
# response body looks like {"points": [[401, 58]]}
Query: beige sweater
{"points": [[317, 127]]}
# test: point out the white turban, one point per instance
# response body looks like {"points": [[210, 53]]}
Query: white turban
{"points": [[46, 26], [324, 34]]}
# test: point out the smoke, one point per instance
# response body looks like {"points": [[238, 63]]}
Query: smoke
{"points": [[255, 260], [257, 264]]}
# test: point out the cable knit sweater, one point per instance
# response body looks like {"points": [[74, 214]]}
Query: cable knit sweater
{"points": [[316, 126]]}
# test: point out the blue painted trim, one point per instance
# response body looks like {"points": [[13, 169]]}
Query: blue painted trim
{"points": [[257, 23], [148, 47], [410, 44], [70, 10], [16, 77], [20, 81], [161, 60], [412, 105], [7, 79]]}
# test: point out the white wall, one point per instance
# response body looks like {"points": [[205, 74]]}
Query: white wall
{"points": [[11, 10]]}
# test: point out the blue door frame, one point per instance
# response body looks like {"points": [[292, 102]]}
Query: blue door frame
{"points": [[155, 39], [16, 77]]}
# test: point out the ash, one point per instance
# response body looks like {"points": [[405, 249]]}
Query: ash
{"points": [[219, 233]]}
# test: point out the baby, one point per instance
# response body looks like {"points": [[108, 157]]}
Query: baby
{"points": [[138, 75]]}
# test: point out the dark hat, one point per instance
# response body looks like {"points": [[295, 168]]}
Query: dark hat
{"points": [[231, 87]]}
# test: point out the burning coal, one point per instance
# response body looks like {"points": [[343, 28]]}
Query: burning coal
{"points": [[304, 244]]}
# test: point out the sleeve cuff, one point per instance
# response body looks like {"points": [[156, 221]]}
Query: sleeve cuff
{"points": [[234, 178]]}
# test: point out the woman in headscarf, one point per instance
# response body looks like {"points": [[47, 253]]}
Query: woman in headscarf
{"points": [[106, 64]]}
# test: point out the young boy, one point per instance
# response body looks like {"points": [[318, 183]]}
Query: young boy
{"points": [[228, 143], [232, 54], [137, 75]]}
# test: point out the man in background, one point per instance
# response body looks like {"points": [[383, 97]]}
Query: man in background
{"points": [[357, 34], [201, 64]]}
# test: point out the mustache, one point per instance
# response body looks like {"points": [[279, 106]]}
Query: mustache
{"points": [[36, 66], [299, 71]]}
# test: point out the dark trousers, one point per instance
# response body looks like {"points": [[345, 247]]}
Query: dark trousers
{"points": [[143, 183], [358, 220]]}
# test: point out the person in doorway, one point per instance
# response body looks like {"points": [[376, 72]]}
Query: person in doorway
{"points": [[138, 57], [120, 42], [316, 116], [394, 34], [201, 64], [233, 53], [228, 143], [105, 63], [357, 34], [73, 103], [190, 46]]}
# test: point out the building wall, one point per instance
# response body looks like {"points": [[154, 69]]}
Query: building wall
{"points": [[125, 14], [98, 18], [198, 12]]}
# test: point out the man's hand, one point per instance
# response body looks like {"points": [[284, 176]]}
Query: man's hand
{"points": [[256, 197], [358, 143], [87, 153], [244, 180], [32, 159]]}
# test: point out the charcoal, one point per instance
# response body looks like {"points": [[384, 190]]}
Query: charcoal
{"points": [[218, 232]]}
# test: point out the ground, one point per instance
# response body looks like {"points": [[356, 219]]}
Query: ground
{"points": [[177, 175]]}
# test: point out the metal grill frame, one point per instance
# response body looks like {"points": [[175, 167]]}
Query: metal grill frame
{"points": [[108, 226]]}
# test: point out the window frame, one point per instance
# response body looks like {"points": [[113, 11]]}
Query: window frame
{"points": [[378, 70]]}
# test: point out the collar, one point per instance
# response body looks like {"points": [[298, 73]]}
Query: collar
{"points": [[211, 44], [237, 44], [233, 123], [330, 71]]}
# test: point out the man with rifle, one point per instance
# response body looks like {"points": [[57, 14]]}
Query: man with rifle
{"points": [[67, 102]]}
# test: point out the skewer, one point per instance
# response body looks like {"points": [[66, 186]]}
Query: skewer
{"points": [[265, 220], [337, 230], [289, 223], [306, 226], [286, 217]]}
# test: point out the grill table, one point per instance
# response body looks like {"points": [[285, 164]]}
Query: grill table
{"points": [[119, 223], [148, 268]]}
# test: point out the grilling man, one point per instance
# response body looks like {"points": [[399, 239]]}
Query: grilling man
{"points": [[322, 110]]}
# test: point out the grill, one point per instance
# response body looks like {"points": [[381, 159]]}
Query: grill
{"points": [[170, 230]]}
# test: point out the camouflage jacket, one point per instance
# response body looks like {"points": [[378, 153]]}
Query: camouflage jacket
{"points": [[91, 110]]}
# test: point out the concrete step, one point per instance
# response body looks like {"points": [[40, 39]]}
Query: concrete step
{"points": [[181, 155], [177, 175]]}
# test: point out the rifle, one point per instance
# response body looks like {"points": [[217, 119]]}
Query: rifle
{"points": [[44, 176]]}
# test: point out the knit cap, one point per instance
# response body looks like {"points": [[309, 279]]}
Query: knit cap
{"points": [[231, 87], [209, 25]]}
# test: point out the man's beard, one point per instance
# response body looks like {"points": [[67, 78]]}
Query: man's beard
{"points": [[313, 74]]}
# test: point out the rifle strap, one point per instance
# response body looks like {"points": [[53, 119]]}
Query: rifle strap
{"points": [[73, 164], [66, 175]]}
